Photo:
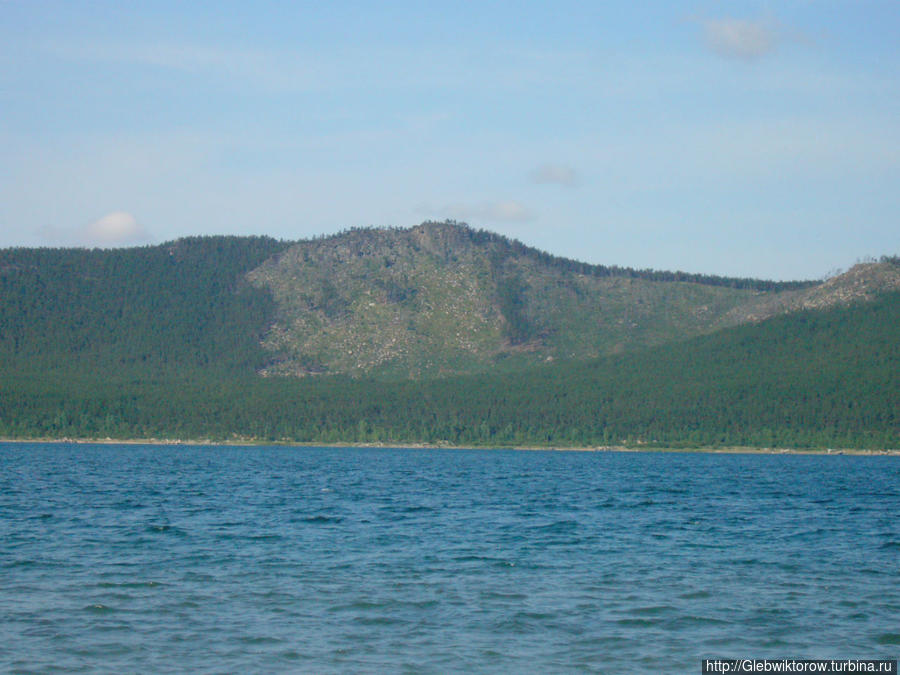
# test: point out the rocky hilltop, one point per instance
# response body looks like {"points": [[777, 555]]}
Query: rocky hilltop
{"points": [[442, 298], [422, 302], [861, 283]]}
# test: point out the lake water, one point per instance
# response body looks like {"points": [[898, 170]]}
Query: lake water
{"points": [[170, 559]]}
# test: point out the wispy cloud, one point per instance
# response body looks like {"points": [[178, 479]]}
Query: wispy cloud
{"points": [[745, 39], [502, 211], [555, 174], [269, 69], [299, 69], [114, 229]]}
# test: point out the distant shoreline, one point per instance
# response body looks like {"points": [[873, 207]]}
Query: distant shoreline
{"points": [[732, 450]]}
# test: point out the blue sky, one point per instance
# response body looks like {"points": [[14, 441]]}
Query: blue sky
{"points": [[740, 138]]}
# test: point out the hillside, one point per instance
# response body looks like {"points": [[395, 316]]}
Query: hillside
{"points": [[141, 310], [169, 341], [814, 378], [434, 300], [441, 299]]}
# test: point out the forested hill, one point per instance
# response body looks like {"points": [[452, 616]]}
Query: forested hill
{"points": [[441, 299], [434, 300], [181, 304], [815, 378], [171, 341]]}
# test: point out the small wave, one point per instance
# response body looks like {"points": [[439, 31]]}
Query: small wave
{"points": [[535, 616], [321, 520], [653, 610], [692, 621], [559, 526], [199, 577], [500, 595], [265, 537], [376, 620], [417, 509], [419, 604], [357, 606], [171, 530], [872, 571], [639, 623], [696, 595], [260, 640], [128, 584], [98, 608], [888, 639], [130, 504], [21, 563], [477, 558]]}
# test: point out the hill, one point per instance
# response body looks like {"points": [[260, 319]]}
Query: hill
{"points": [[435, 300], [438, 334], [814, 378], [144, 310], [441, 298]]}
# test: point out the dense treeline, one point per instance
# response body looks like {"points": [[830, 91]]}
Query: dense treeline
{"points": [[811, 379], [163, 341], [180, 304]]}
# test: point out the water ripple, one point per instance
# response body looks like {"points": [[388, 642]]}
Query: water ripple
{"points": [[175, 559]]}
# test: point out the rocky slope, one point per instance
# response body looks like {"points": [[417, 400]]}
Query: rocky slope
{"points": [[441, 298], [861, 283]]}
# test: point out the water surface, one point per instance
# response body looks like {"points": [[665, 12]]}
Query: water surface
{"points": [[176, 559]]}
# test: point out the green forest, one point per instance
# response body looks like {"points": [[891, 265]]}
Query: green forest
{"points": [[164, 342]]}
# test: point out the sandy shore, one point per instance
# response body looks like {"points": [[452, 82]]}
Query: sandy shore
{"points": [[446, 446]]}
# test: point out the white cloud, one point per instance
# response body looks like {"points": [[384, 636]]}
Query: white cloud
{"points": [[741, 38], [114, 229], [555, 174]]}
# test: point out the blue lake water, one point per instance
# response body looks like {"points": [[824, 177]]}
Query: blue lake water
{"points": [[172, 559]]}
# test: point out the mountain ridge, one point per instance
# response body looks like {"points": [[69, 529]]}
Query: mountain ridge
{"points": [[432, 300], [169, 342], [443, 298]]}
